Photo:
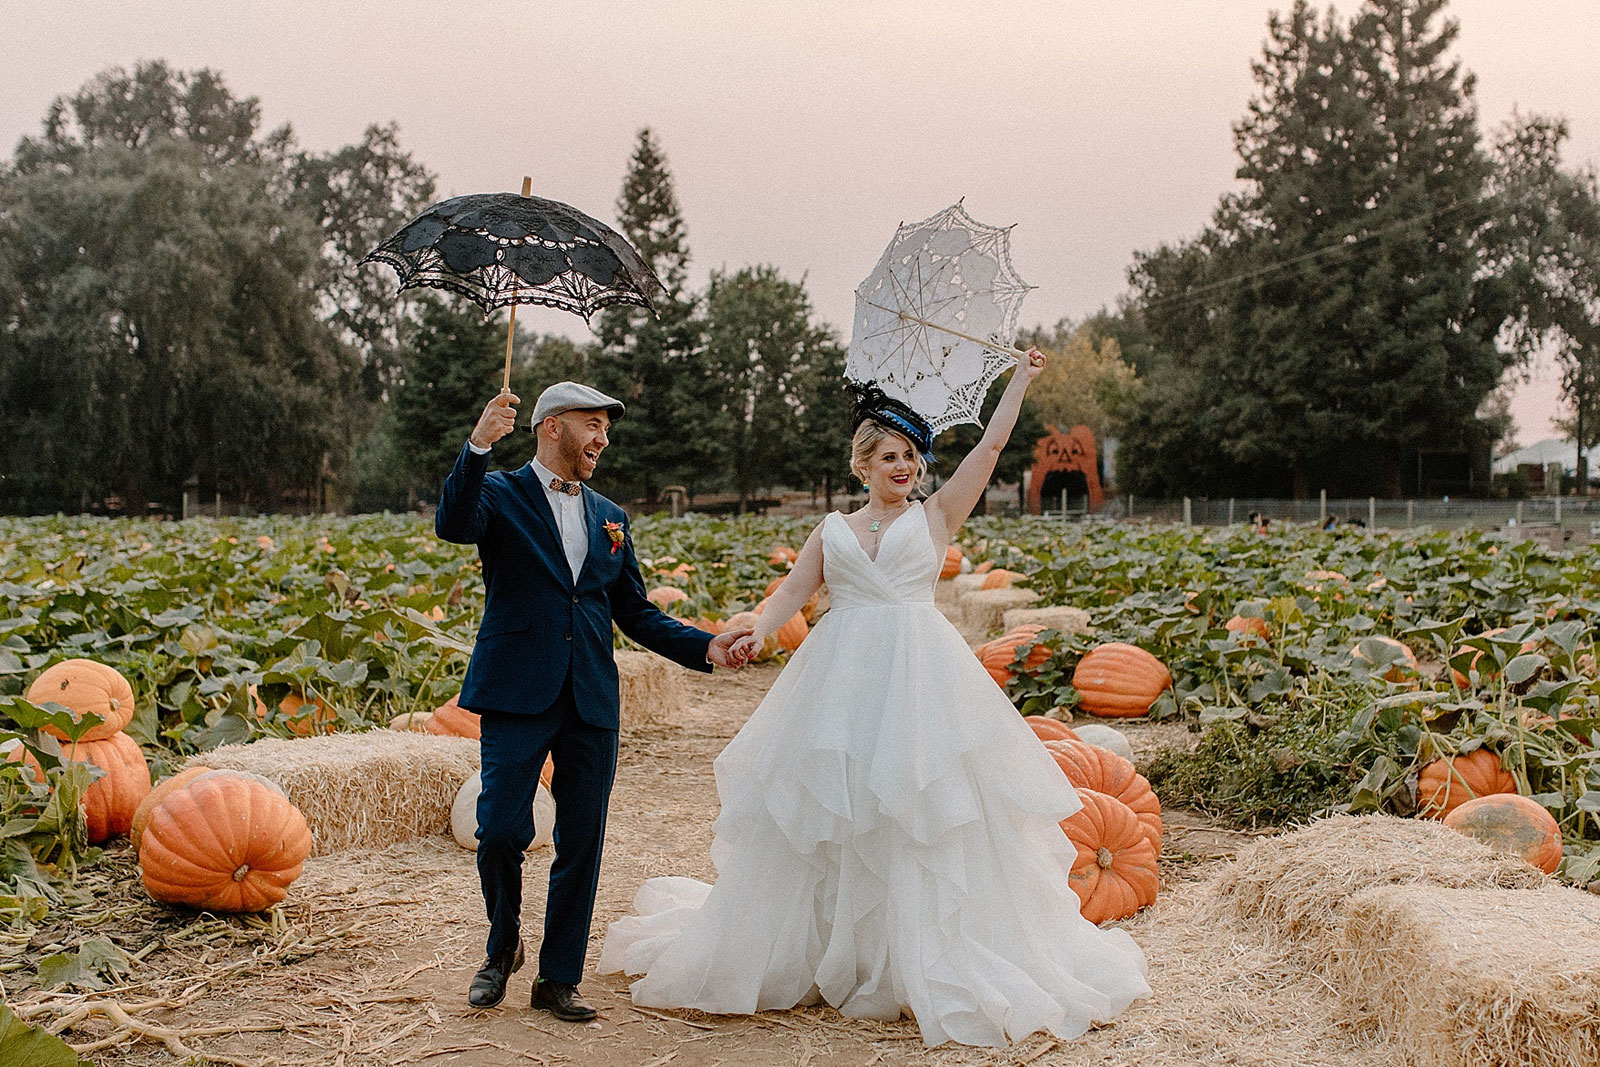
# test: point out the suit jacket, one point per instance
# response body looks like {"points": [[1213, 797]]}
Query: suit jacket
{"points": [[538, 624]]}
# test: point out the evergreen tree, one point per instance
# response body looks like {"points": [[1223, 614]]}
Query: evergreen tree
{"points": [[1336, 317], [655, 364], [453, 359], [771, 367]]}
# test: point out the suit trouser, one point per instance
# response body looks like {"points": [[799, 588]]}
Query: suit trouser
{"points": [[513, 753]]}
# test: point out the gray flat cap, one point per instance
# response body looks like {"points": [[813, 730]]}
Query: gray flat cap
{"points": [[573, 396]]}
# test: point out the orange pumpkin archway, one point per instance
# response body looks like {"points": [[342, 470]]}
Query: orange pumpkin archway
{"points": [[1072, 451]]}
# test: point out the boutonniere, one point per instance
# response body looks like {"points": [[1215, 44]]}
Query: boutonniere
{"points": [[614, 531]]}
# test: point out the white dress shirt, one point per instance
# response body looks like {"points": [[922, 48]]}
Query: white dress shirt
{"points": [[568, 511]]}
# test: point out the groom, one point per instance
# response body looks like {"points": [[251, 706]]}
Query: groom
{"points": [[558, 569]]}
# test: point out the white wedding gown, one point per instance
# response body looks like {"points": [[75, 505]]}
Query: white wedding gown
{"points": [[888, 839]]}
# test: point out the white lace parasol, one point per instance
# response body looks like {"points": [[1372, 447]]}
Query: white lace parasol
{"points": [[936, 317]]}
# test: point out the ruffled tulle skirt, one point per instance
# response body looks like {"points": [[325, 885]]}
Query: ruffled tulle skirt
{"points": [[888, 842]]}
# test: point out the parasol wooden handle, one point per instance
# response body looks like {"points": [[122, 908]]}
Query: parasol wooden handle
{"points": [[511, 327], [992, 345]]}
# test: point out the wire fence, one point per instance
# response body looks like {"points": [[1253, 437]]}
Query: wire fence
{"points": [[1559, 521]]}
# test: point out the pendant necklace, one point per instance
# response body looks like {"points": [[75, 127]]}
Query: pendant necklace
{"points": [[873, 528]]}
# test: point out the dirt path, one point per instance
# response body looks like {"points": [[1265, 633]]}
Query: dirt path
{"points": [[372, 961]]}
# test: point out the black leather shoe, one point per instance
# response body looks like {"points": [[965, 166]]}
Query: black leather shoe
{"points": [[489, 984], [561, 1000]]}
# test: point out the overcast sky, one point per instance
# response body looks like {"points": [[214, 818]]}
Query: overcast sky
{"points": [[800, 132]]}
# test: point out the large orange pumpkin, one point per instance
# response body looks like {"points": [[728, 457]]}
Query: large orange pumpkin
{"points": [[664, 596], [110, 802], [225, 841], [1397, 672], [1446, 784], [1511, 823], [997, 655], [1119, 681], [999, 578], [452, 720], [1092, 767], [153, 799], [782, 555], [82, 685], [1049, 729], [952, 562], [1115, 873]]}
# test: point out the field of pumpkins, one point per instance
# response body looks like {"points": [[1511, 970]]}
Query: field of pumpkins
{"points": [[1446, 679]]}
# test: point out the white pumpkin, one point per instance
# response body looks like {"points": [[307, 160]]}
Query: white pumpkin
{"points": [[411, 720], [1107, 737], [464, 815]]}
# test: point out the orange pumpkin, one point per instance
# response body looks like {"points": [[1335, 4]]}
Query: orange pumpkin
{"points": [[1248, 626], [1514, 824], [226, 841], [984, 568], [1119, 681], [710, 626], [153, 799], [452, 720], [1115, 873], [1462, 680], [110, 802], [997, 655], [952, 562], [1397, 672], [82, 685], [303, 717], [782, 555], [1046, 729], [1000, 578], [664, 596], [1446, 784], [1092, 767]]}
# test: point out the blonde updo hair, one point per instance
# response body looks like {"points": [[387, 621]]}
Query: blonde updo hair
{"points": [[865, 442]]}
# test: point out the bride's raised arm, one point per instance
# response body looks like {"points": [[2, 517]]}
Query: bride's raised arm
{"points": [[804, 578], [953, 501]]}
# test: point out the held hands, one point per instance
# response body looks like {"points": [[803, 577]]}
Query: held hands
{"points": [[731, 649], [498, 419]]}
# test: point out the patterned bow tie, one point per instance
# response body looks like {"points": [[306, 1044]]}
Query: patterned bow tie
{"points": [[569, 488]]}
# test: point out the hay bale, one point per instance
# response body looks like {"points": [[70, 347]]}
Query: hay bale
{"points": [[963, 584], [986, 609], [652, 688], [1067, 620], [1475, 977], [1293, 887], [359, 790]]}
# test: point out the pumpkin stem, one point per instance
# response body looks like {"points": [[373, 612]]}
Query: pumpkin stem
{"points": [[1103, 857], [244, 869]]}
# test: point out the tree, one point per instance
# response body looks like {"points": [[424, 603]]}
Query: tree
{"points": [[453, 358], [770, 363], [1080, 372], [1547, 240], [654, 363], [1337, 315], [161, 330]]}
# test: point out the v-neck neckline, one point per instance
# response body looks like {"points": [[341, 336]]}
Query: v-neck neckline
{"points": [[884, 536]]}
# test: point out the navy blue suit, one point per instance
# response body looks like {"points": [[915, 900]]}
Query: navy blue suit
{"points": [[544, 681]]}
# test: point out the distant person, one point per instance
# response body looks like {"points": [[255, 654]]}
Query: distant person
{"points": [[1330, 521], [558, 570]]}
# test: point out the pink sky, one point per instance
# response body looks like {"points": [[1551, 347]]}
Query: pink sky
{"points": [[801, 132]]}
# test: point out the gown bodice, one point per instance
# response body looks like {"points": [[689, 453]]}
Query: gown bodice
{"points": [[903, 573]]}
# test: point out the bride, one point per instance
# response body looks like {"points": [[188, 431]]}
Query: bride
{"points": [[889, 838]]}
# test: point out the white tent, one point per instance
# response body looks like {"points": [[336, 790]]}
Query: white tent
{"points": [[1543, 453]]}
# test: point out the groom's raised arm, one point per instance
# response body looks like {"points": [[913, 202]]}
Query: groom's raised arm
{"points": [[463, 515]]}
